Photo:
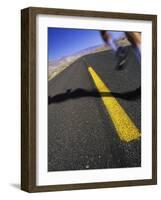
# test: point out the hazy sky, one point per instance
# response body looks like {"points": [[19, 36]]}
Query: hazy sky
{"points": [[64, 41]]}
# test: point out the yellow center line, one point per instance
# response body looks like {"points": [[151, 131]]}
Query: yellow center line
{"points": [[125, 128]]}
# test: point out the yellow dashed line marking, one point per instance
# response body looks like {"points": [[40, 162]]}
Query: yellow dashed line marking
{"points": [[125, 128]]}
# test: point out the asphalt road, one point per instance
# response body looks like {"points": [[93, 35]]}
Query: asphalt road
{"points": [[81, 134]]}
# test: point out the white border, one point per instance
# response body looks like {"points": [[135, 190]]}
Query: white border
{"points": [[43, 177]]}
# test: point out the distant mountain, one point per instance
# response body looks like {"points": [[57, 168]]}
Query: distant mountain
{"points": [[56, 66]]}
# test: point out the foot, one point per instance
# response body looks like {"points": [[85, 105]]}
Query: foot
{"points": [[121, 56]]}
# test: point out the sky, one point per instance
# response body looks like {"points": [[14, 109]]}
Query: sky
{"points": [[64, 42]]}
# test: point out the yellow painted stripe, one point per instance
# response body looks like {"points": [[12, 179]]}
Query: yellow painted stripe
{"points": [[125, 128]]}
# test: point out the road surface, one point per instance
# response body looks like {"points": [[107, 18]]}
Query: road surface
{"points": [[83, 132]]}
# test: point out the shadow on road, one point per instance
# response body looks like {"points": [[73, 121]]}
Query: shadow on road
{"points": [[78, 93]]}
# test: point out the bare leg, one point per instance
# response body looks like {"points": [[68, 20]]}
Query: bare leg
{"points": [[108, 40], [135, 39]]}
